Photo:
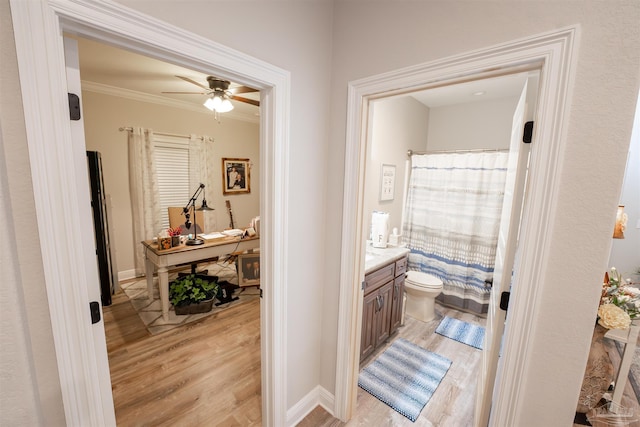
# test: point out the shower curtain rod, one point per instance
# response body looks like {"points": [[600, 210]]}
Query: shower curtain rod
{"points": [[175, 135], [479, 150]]}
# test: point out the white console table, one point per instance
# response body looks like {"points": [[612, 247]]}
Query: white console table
{"points": [[629, 337]]}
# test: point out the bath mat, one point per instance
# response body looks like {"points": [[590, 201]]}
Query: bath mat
{"points": [[461, 331], [404, 376], [150, 311]]}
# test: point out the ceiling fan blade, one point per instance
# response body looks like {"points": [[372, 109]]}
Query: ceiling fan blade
{"points": [[187, 79], [246, 100], [188, 93], [243, 89]]}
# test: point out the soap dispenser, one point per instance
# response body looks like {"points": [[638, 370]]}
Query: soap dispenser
{"points": [[394, 238]]}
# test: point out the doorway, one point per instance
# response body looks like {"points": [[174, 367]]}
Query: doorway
{"points": [[78, 343], [521, 55]]}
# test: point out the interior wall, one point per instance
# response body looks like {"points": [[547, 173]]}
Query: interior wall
{"points": [[599, 119], [105, 114], [398, 124], [295, 36], [625, 253], [30, 393], [472, 126]]}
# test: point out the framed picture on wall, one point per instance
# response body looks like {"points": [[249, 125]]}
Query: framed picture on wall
{"points": [[235, 176], [248, 268], [387, 182]]}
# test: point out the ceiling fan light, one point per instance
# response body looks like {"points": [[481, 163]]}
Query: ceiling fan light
{"points": [[217, 102], [225, 106], [209, 104]]}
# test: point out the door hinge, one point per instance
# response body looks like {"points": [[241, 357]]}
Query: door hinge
{"points": [[528, 132], [260, 292], [74, 106], [94, 307], [504, 300]]}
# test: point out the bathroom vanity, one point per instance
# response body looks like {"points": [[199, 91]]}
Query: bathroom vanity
{"points": [[383, 296]]}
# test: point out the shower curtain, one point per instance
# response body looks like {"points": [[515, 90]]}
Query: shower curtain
{"points": [[452, 218]]}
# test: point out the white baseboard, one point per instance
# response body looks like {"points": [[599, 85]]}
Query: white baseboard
{"points": [[317, 396], [126, 275]]}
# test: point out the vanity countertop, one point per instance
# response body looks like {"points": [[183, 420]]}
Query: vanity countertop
{"points": [[379, 257]]}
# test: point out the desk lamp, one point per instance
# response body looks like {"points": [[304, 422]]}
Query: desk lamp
{"points": [[192, 203]]}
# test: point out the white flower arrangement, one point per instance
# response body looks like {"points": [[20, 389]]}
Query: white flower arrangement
{"points": [[620, 302]]}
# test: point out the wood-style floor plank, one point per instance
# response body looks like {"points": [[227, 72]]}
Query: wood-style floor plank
{"points": [[207, 373]]}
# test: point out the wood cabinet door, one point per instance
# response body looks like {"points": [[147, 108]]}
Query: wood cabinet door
{"points": [[396, 304], [383, 316], [368, 336]]}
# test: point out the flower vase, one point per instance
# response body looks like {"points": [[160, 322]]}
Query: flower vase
{"points": [[598, 374], [175, 241]]}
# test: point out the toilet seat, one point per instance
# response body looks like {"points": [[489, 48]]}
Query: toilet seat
{"points": [[418, 279]]}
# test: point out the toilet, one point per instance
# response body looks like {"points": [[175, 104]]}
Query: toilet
{"points": [[421, 291]]}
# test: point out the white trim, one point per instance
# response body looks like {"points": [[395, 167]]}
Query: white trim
{"points": [[126, 274], [318, 396], [553, 53], [161, 100], [38, 27]]}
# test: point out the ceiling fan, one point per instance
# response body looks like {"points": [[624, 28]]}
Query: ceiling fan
{"points": [[219, 94]]}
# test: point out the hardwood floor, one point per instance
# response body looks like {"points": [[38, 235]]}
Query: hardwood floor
{"points": [[453, 402], [207, 373]]}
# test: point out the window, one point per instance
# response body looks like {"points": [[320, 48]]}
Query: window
{"points": [[171, 157]]}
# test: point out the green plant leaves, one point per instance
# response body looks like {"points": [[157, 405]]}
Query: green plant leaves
{"points": [[191, 289]]}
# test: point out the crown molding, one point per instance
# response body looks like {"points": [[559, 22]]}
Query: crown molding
{"points": [[160, 100]]}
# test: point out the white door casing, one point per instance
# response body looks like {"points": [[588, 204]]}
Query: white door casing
{"points": [[61, 197], [554, 54], [505, 256]]}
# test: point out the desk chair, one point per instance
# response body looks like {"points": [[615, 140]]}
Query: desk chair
{"points": [[177, 219]]}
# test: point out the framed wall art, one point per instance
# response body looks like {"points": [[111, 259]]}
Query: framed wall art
{"points": [[248, 268], [235, 176], [387, 182]]}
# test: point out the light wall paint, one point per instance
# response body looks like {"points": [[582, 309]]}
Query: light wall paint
{"points": [[399, 124], [105, 114], [325, 45], [625, 253], [472, 126], [30, 392], [597, 137]]}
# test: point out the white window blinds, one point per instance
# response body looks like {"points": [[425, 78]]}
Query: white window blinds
{"points": [[172, 170]]}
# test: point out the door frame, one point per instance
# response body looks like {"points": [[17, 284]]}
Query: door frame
{"points": [[554, 54], [80, 346]]}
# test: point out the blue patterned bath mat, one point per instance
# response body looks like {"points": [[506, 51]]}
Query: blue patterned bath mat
{"points": [[461, 331], [404, 376]]}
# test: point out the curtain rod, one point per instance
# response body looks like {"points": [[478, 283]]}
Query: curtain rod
{"points": [[129, 129], [479, 150]]}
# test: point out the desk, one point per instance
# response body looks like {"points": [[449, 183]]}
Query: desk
{"points": [[630, 339], [163, 259]]}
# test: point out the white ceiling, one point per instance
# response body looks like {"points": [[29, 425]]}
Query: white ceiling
{"points": [[115, 71], [107, 69]]}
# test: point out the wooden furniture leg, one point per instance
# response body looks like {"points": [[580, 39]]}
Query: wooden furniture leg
{"points": [[149, 273], [163, 285]]}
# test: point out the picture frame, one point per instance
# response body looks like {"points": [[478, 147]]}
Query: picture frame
{"points": [[236, 177], [387, 182], [248, 267]]}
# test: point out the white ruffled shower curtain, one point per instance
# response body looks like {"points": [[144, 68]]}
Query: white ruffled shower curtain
{"points": [[452, 218], [143, 185]]}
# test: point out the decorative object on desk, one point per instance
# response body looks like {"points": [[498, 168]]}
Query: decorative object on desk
{"points": [[235, 176], [228, 204], [192, 203], [175, 236], [621, 223], [404, 377], [164, 242], [150, 311], [387, 182], [617, 306], [248, 266], [193, 293]]}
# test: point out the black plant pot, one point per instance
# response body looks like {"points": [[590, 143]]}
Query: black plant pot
{"points": [[204, 306]]}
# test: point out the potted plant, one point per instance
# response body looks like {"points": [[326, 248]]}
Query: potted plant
{"points": [[192, 293]]}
